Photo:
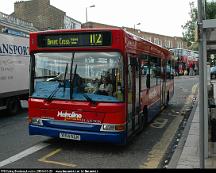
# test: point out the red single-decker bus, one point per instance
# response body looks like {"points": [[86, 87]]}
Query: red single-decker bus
{"points": [[100, 85]]}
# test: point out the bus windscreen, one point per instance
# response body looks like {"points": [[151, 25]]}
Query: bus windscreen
{"points": [[81, 39]]}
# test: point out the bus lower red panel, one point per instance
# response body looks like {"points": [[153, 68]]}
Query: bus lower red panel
{"points": [[75, 118]]}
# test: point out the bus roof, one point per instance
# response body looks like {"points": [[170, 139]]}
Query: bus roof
{"points": [[129, 41]]}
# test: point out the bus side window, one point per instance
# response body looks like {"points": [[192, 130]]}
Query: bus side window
{"points": [[154, 71], [143, 73], [170, 70], [158, 71]]}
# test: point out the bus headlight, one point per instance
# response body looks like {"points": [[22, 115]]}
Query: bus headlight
{"points": [[37, 121], [113, 127]]}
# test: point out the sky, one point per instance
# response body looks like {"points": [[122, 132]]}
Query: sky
{"points": [[163, 17]]}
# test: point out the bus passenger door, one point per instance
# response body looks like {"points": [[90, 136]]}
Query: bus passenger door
{"points": [[133, 94]]}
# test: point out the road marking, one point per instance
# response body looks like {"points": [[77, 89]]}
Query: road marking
{"points": [[194, 88], [45, 159], [159, 123], [23, 154], [159, 149], [189, 99]]}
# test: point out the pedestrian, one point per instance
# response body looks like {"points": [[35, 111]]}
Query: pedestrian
{"points": [[195, 69], [190, 69]]}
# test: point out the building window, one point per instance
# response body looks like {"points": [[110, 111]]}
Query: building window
{"points": [[157, 41], [149, 38], [146, 37], [160, 42], [180, 44], [170, 45], [166, 44], [69, 23]]}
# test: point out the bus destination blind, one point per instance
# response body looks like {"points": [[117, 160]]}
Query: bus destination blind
{"points": [[74, 39]]}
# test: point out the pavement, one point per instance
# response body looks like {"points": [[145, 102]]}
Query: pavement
{"points": [[187, 152]]}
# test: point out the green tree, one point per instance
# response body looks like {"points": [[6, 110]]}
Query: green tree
{"points": [[190, 26], [189, 29], [211, 10]]}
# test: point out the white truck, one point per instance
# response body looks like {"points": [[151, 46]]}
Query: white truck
{"points": [[14, 71]]}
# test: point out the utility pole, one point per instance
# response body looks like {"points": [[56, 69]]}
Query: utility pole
{"points": [[135, 26], [87, 12]]}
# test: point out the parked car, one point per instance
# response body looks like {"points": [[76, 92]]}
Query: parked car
{"points": [[213, 72]]}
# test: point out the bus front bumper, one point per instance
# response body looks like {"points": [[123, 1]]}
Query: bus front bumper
{"points": [[109, 137]]}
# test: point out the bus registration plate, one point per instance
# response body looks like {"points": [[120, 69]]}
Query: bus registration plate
{"points": [[69, 136]]}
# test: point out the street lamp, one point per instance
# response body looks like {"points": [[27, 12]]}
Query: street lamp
{"points": [[87, 12], [135, 26]]}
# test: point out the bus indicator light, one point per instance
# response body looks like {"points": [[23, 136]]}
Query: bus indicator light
{"points": [[113, 127], [120, 127]]}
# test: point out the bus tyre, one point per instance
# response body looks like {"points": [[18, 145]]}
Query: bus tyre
{"points": [[13, 106]]}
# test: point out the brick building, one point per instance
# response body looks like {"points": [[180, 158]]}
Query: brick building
{"points": [[43, 15], [162, 40]]}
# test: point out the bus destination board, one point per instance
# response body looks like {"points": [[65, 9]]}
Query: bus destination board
{"points": [[82, 39]]}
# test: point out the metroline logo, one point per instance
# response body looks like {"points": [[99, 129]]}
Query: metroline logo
{"points": [[69, 115]]}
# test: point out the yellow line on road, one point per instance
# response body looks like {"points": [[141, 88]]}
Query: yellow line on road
{"points": [[189, 99], [194, 88], [45, 159], [160, 148]]}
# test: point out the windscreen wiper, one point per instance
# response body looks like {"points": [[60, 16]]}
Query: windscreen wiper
{"points": [[71, 69], [64, 80], [89, 99], [54, 92], [72, 82], [59, 86]]}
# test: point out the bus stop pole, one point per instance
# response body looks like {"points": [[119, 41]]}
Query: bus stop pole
{"points": [[205, 99], [201, 85]]}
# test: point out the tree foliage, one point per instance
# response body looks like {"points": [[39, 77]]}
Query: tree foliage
{"points": [[211, 10], [190, 26], [189, 29]]}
